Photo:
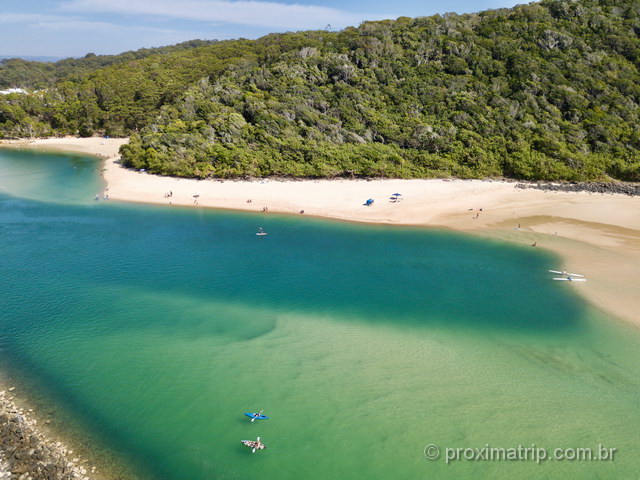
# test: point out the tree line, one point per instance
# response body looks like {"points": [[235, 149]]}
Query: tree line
{"points": [[549, 90]]}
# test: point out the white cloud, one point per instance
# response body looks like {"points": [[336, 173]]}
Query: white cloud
{"points": [[74, 25], [6, 18], [86, 25], [251, 12]]}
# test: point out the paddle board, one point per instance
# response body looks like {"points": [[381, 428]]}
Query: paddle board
{"points": [[567, 273]]}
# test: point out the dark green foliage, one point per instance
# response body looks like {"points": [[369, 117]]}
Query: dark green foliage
{"points": [[15, 72], [542, 91]]}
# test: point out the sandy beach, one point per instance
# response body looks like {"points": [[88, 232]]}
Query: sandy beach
{"points": [[595, 235]]}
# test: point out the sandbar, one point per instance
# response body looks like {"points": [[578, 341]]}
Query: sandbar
{"points": [[597, 235]]}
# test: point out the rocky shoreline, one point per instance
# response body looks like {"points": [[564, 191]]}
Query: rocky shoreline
{"points": [[621, 188], [27, 453]]}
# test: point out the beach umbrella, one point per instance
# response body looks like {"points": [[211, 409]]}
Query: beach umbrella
{"points": [[396, 195]]}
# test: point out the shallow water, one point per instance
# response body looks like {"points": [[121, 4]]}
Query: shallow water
{"points": [[158, 327]]}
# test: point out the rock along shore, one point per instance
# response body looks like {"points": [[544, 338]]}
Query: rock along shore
{"points": [[27, 453], [621, 188]]}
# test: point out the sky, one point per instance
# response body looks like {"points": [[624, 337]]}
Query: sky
{"points": [[73, 28]]}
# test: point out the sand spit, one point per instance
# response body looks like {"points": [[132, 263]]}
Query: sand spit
{"points": [[595, 233], [97, 146]]}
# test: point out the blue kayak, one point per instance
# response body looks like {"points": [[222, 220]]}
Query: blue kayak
{"points": [[256, 416]]}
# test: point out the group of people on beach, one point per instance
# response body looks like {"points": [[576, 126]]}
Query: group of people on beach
{"points": [[105, 195]]}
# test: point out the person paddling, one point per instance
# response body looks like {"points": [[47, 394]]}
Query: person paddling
{"points": [[254, 444]]}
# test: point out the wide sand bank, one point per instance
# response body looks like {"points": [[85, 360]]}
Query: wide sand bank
{"points": [[596, 235]]}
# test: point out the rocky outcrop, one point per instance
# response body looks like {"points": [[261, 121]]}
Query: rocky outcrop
{"points": [[622, 188], [27, 453]]}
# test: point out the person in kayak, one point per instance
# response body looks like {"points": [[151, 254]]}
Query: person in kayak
{"points": [[254, 444]]}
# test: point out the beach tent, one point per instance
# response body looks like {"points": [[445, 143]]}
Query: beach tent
{"points": [[369, 202]]}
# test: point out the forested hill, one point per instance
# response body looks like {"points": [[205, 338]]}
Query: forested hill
{"points": [[19, 73], [548, 90]]}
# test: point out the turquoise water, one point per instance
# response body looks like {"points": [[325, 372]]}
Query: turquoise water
{"points": [[158, 327], [59, 178]]}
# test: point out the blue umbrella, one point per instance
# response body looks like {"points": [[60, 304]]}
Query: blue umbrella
{"points": [[396, 195]]}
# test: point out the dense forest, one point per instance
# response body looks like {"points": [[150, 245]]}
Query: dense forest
{"points": [[549, 90], [16, 72]]}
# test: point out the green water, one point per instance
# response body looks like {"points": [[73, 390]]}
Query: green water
{"points": [[157, 328]]}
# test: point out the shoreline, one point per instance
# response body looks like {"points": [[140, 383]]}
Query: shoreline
{"points": [[35, 443], [595, 234], [30, 448], [44, 435]]}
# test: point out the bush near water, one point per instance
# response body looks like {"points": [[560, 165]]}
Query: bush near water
{"points": [[549, 91]]}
